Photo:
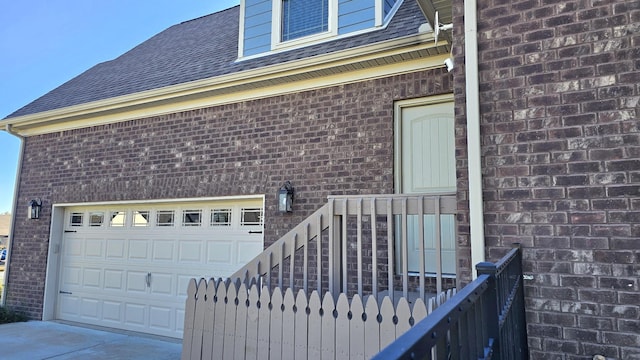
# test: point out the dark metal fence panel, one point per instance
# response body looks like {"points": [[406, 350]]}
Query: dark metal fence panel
{"points": [[512, 321], [485, 320]]}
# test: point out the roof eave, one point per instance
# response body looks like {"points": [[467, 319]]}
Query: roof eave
{"points": [[226, 84]]}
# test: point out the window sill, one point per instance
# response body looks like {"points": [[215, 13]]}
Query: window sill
{"points": [[305, 40]]}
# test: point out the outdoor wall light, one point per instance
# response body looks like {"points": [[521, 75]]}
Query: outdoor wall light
{"points": [[285, 197], [35, 206], [448, 62]]}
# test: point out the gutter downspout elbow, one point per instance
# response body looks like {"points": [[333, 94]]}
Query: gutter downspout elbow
{"points": [[9, 129], [472, 88]]}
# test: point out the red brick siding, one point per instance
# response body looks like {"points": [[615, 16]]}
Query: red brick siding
{"points": [[561, 141], [336, 140]]}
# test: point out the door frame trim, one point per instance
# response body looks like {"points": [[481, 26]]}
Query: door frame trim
{"points": [[51, 279], [397, 131]]}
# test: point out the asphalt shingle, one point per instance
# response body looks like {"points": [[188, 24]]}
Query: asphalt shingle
{"points": [[198, 49]]}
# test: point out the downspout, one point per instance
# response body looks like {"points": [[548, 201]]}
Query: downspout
{"points": [[14, 215], [476, 213]]}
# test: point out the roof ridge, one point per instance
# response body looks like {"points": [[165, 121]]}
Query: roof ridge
{"points": [[204, 16]]}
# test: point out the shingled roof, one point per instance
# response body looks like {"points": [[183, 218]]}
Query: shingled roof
{"points": [[198, 49]]}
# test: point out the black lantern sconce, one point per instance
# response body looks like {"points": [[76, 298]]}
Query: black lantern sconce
{"points": [[35, 206], [285, 197]]}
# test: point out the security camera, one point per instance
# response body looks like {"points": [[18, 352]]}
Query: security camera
{"points": [[449, 63]]}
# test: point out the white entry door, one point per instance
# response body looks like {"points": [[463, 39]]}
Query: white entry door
{"points": [[127, 266], [425, 145]]}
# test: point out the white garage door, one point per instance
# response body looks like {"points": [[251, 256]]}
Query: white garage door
{"points": [[128, 266]]}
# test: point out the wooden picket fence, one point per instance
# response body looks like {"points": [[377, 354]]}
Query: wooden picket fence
{"points": [[226, 320]]}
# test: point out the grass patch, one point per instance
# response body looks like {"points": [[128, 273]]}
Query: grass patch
{"points": [[10, 316]]}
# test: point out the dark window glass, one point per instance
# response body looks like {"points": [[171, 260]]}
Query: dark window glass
{"points": [[191, 217], [251, 217], [165, 218], [304, 17], [221, 217], [76, 219], [96, 219]]}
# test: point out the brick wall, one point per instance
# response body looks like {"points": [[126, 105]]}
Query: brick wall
{"points": [[336, 140], [560, 121]]}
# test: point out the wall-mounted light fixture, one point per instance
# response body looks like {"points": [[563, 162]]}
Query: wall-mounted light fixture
{"points": [[285, 197], [448, 62], [437, 29], [35, 206]]}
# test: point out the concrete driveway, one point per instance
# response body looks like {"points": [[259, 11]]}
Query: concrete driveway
{"points": [[52, 340]]}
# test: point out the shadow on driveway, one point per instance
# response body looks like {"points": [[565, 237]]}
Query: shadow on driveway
{"points": [[52, 340]]}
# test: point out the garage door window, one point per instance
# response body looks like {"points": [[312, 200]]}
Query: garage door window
{"points": [[251, 217], [96, 219], [165, 218], [117, 218], [141, 218], [192, 218], [221, 217], [76, 219]]}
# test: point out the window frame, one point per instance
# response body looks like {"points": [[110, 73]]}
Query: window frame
{"points": [[221, 210], [74, 215], [191, 211], [136, 213], [259, 211], [161, 212], [99, 214], [113, 214], [276, 27]]}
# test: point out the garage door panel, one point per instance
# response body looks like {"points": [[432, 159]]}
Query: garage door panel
{"points": [[69, 305], [179, 320], [93, 248], [162, 284], [71, 276], [160, 317], [90, 308], [138, 250], [220, 271], [135, 314], [112, 311], [190, 251], [113, 279], [183, 284], [134, 277], [136, 282], [246, 251], [73, 247], [115, 248], [163, 250], [220, 252], [91, 278]]}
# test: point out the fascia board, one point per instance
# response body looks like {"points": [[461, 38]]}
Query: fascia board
{"points": [[167, 99]]}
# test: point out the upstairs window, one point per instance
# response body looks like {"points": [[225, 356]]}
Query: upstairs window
{"points": [[288, 24], [299, 22], [304, 17]]}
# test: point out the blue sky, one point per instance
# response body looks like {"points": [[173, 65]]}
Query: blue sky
{"points": [[45, 43]]}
